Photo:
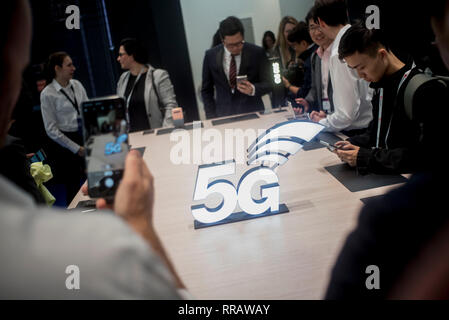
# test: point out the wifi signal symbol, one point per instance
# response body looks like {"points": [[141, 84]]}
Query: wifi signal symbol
{"points": [[281, 141]]}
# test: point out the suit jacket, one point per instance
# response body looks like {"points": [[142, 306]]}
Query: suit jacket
{"points": [[315, 95], [165, 91], [254, 64], [306, 56]]}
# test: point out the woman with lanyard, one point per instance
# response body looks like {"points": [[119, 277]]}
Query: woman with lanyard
{"points": [[60, 105], [148, 92]]}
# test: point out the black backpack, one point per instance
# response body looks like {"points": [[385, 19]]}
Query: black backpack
{"points": [[415, 83]]}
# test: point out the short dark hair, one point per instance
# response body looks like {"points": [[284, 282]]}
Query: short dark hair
{"points": [[300, 33], [358, 38], [310, 15], [332, 12], [136, 49], [231, 26]]}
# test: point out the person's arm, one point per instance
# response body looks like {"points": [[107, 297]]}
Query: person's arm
{"points": [[387, 161], [290, 87], [364, 140], [167, 95], [85, 97], [305, 89], [134, 203], [347, 96], [48, 110], [207, 89]]}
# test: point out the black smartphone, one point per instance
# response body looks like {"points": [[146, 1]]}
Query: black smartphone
{"points": [[105, 130]]}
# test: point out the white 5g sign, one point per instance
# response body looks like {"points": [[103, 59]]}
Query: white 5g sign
{"points": [[274, 146], [230, 195]]}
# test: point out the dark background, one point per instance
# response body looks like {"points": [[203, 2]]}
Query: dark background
{"points": [[407, 27], [94, 48]]}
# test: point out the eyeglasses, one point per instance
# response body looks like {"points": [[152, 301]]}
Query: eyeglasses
{"points": [[314, 28], [234, 45]]}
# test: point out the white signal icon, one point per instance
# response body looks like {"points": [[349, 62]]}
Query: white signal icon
{"points": [[281, 141]]}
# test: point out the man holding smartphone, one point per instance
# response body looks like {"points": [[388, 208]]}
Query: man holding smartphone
{"points": [[117, 256], [393, 143], [225, 89]]}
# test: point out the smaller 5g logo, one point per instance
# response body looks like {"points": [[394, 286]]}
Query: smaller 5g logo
{"points": [[274, 146]]}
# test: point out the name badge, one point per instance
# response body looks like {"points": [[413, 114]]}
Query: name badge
{"points": [[326, 106]]}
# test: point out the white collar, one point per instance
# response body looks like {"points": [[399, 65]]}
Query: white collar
{"points": [[340, 34], [58, 87], [228, 54]]}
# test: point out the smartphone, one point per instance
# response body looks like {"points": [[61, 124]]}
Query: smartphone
{"points": [[105, 131], [39, 156], [242, 78], [329, 146]]}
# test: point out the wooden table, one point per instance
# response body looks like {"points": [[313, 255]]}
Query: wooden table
{"points": [[288, 256]]}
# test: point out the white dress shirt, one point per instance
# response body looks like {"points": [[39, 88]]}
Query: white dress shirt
{"points": [[227, 57], [352, 95], [37, 244], [59, 114], [325, 56]]}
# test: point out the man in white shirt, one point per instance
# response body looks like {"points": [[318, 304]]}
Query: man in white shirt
{"points": [[50, 254], [351, 95]]}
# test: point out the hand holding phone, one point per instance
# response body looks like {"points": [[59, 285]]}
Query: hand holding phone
{"points": [[242, 78], [105, 143], [330, 147]]}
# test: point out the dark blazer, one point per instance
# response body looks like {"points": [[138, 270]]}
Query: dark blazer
{"points": [[221, 101], [306, 56], [315, 95]]}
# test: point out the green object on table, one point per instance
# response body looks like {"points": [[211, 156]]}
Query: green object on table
{"points": [[41, 174]]}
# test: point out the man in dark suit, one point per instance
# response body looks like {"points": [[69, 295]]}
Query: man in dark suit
{"points": [[223, 63]]}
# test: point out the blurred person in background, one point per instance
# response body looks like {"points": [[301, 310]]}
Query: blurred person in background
{"points": [[298, 79], [283, 48], [268, 41], [61, 113], [148, 92]]}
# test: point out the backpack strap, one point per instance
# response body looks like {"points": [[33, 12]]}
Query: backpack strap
{"points": [[413, 85]]}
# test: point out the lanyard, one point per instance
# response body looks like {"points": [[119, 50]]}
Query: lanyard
{"points": [[381, 102], [73, 102], [132, 89]]}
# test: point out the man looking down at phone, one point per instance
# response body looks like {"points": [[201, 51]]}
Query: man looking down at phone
{"points": [[393, 143], [118, 256], [223, 93]]}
